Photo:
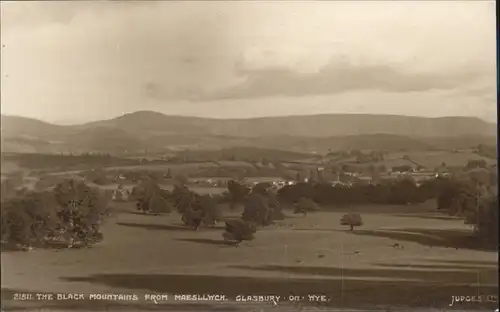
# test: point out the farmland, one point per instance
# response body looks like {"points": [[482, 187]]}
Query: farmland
{"points": [[300, 255], [52, 163], [160, 154], [408, 256]]}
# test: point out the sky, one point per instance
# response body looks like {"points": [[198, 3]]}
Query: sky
{"points": [[71, 62]]}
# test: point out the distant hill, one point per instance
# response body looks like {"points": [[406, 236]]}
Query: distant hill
{"points": [[154, 132], [304, 126]]}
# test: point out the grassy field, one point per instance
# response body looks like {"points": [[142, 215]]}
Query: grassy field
{"points": [[169, 187], [145, 254], [434, 159], [428, 159]]}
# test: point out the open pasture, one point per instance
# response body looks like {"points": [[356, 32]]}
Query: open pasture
{"points": [[300, 255], [434, 159]]}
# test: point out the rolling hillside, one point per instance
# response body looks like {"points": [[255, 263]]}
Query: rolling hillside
{"points": [[156, 133]]}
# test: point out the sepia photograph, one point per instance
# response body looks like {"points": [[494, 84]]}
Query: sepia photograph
{"points": [[249, 156]]}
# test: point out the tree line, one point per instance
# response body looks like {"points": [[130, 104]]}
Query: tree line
{"points": [[72, 212]]}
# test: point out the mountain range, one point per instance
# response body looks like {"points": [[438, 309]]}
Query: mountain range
{"points": [[157, 133]]}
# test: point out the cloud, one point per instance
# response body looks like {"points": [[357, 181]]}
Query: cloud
{"points": [[112, 56], [156, 91], [101, 58], [340, 76], [485, 91], [39, 13]]}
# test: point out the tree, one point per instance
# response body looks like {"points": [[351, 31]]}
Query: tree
{"points": [[137, 193], [160, 205], [480, 176], [292, 193], [382, 168], [298, 178], [261, 188], [458, 196], [97, 176], [305, 205], [71, 214], [211, 213], [275, 206], [181, 180], [15, 224], [352, 220], [484, 218], [183, 198], [467, 198], [265, 162], [471, 164], [237, 193], [9, 187], [195, 209], [83, 209], [169, 174], [257, 210], [120, 194], [404, 191], [402, 168], [313, 175], [239, 230], [152, 199], [193, 217]]}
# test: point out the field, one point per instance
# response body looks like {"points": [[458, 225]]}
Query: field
{"points": [[434, 159], [74, 164], [145, 254]]}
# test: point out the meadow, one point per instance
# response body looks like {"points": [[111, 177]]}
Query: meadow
{"points": [[404, 256]]}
